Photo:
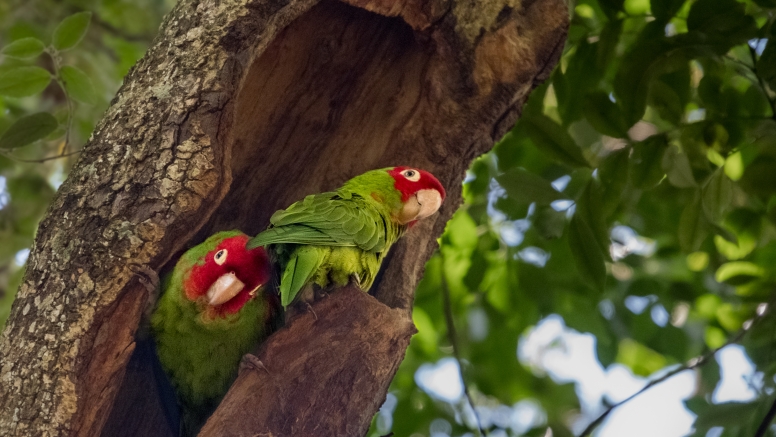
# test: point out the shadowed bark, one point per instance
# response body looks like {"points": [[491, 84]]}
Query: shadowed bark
{"points": [[317, 371], [238, 109]]}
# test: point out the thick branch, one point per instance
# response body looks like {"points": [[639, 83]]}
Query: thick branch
{"points": [[319, 370]]}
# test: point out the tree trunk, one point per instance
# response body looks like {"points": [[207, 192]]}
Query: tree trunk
{"points": [[239, 108]]}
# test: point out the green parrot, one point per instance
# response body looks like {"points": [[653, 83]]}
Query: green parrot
{"points": [[212, 311], [329, 239]]}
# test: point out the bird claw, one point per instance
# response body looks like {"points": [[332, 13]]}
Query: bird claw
{"points": [[147, 276], [356, 279], [150, 280], [250, 361], [310, 308]]}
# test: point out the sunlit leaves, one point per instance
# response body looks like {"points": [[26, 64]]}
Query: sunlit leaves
{"points": [[77, 84], [24, 81], [738, 272], [642, 360], [71, 30], [28, 129], [24, 48]]}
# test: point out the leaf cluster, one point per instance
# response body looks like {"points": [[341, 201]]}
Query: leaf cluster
{"points": [[60, 64], [636, 199]]}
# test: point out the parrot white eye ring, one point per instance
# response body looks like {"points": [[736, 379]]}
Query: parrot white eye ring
{"points": [[411, 175], [220, 257]]}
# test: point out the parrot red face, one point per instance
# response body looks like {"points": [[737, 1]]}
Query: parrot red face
{"points": [[229, 276], [421, 193]]}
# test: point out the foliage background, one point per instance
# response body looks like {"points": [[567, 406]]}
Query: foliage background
{"points": [[635, 199]]}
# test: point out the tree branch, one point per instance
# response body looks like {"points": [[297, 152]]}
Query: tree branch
{"points": [[762, 310], [453, 338], [766, 422]]}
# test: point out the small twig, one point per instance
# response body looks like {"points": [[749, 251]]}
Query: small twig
{"points": [[692, 364], [40, 160], [453, 338], [763, 428]]}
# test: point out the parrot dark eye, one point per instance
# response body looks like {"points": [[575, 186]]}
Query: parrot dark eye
{"points": [[411, 175], [220, 257]]}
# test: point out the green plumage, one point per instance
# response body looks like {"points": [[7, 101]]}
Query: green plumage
{"points": [[201, 355], [325, 239]]}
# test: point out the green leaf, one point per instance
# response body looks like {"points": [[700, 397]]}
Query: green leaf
{"points": [[549, 224], [664, 10], [572, 85], [614, 172], [77, 84], [709, 91], [651, 56], [666, 101], [759, 177], [611, 7], [725, 415], [71, 30], [528, 187], [553, 139], [646, 162], [766, 65], [677, 167], [24, 48], [693, 226], [717, 195], [724, 23], [605, 115], [587, 253], [607, 44], [639, 358], [589, 209], [738, 272], [24, 81], [28, 129]]}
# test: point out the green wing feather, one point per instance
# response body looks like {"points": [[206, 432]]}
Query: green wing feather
{"points": [[327, 219], [299, 270]]}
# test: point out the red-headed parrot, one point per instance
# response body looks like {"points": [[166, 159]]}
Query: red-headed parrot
{"points": [[330, 238], [212, 311]]}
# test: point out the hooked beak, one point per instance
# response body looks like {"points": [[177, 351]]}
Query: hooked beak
{"points": [[421, 205], [225, 288]]}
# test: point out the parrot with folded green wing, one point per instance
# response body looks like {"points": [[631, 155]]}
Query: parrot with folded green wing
{"points": [[212, 311], [329, 239]]}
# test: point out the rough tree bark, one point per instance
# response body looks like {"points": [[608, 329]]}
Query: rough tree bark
{"points": [[239, 108]]}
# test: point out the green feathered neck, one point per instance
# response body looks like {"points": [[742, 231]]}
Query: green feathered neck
{"points": [[375, 183]]}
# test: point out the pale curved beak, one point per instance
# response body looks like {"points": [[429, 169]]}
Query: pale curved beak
{"points": [[421, 205], [225, 288], [430, 200]]}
